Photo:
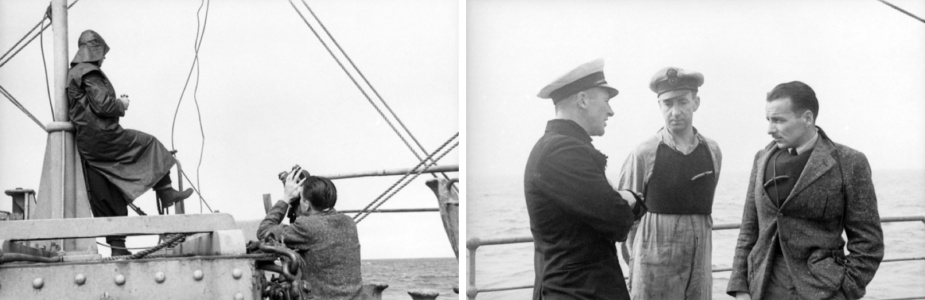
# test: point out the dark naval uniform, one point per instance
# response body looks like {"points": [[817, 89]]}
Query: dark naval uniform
{"points": [[575, 217]]}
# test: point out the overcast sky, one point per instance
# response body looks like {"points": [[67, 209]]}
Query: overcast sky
{"points": [[270, 97], [865, 60]]}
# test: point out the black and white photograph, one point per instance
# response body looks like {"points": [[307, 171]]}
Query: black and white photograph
{"points": [[631, 149], [315, 143], [462, 149]]}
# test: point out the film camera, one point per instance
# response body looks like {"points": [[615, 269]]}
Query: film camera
{"points": [[302, 173]]}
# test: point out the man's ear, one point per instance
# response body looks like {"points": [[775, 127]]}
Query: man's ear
{"points": [[696, 103], [581, 99], [808, 117]]}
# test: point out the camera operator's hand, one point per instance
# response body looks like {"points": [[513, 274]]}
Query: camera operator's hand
{"points": [[125, 101], [292, 186]]}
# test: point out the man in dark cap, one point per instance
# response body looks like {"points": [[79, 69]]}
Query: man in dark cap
{"points": [[576, 216], [804, 192], [120, 164], [676, 170]]}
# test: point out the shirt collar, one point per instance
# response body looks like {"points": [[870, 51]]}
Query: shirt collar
{"points": [[809, 144], [569, 128], [665, 137]]}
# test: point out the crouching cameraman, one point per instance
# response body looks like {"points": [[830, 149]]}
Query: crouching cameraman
{"points": [[326, 240]]}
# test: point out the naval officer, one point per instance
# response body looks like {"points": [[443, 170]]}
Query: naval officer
{"points": [[575, 214], [676, 170]]}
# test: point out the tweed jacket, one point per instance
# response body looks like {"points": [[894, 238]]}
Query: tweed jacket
{"points": [[834, 194]]}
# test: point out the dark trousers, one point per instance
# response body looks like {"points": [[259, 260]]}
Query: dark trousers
{"points": [[106, 200]]}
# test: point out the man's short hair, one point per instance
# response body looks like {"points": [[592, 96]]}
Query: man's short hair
{"points": [[320, 192], [801, 95]]}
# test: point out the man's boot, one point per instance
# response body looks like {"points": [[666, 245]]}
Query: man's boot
{"points": [[118, 247], [169, 196]]}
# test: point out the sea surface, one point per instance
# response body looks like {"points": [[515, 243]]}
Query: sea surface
{"points": [[418, 274], [496, 208]]}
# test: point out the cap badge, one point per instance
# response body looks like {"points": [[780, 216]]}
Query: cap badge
{"points": [[672, 76]]}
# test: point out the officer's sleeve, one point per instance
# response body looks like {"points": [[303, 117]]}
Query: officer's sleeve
{"points": [[102, 102], [576, 183]]}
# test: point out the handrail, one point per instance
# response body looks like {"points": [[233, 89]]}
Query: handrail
{"points": [[392, 172], [473, 243]]}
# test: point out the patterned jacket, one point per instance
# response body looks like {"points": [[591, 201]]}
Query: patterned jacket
{"points": [[834, 194]]}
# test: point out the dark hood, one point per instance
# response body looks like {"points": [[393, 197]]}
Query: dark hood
{"points": [[90, 48]]}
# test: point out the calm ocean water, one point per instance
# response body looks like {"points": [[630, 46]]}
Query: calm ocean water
{"points": [[418, 274], [496, 208]]}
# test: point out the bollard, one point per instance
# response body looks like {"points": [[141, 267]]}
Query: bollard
{"points": [[424, 295], [372, 291], [22, 200]]}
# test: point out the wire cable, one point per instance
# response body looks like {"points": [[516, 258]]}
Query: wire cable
{"points": [[365, 210], [365, 80], [400, 180], [371, 87], [200, 34], [202, 132], [16, 103], [409, 181], [6, 58], [902, 10], [368, 98], [45, 65]]}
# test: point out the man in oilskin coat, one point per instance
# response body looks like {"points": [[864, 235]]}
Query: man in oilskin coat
{"points": [[120, 164], [575, 214]]}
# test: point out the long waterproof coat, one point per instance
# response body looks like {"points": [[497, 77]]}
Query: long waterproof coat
{"points": [[834, 194], [132, 160], [575, 217]]}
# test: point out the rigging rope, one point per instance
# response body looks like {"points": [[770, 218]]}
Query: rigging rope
{"points": [[200, 34], [365, 94], [376, 92], [409, 181], [18, 105], [412, 170], [365, 211], [203, 200], [6, 59], [45, 65], [902, 10]]}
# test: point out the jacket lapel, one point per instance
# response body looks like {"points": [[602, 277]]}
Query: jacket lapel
{"points": [[762, 164], [820, 162]]}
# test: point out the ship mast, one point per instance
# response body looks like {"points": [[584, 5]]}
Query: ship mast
{"points": [[61, 191]]}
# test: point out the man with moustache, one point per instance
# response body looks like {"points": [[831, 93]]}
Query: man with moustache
{"points": [[576, 217], [805, 191], [676, 170]]}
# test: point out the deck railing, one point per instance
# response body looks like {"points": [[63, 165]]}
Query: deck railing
{"points": [[473, 243]]}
